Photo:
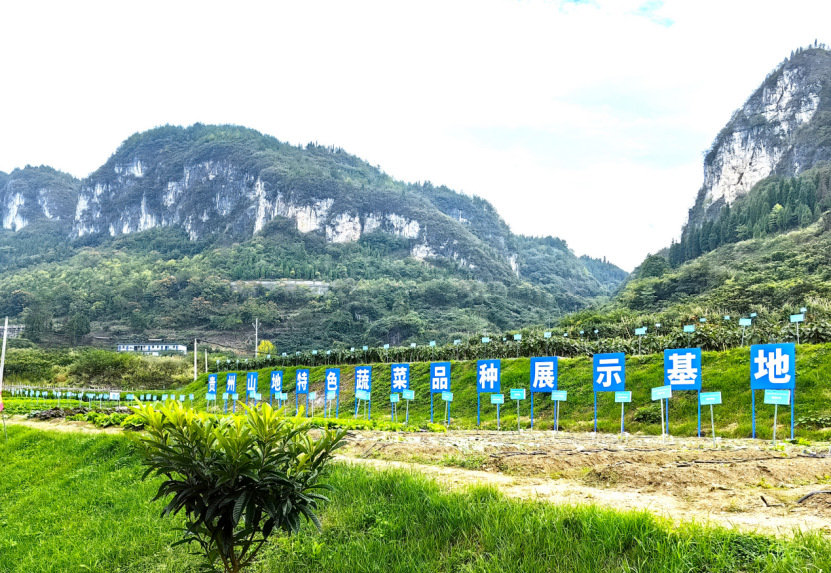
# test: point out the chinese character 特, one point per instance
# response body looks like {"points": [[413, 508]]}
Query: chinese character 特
{"points": [[302, 380]]}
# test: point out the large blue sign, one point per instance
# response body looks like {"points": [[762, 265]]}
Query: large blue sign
{"points": [[772, 366], [544, 374], [488, 376], [251, 380], [363, 379], [399, 377], [302, 381], [211, 383], [276, 382], [333, 380], [231, 383], [439, 377], [682, 368], [609, 372]]}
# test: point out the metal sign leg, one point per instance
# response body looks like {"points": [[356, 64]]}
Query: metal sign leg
{"points": [[713, 425]]}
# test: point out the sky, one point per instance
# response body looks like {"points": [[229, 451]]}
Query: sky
{"points": [[582, 119]]}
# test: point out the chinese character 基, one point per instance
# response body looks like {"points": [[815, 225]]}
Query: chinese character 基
{"points": [[682, 370]]}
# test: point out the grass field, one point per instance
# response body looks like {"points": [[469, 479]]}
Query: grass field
{"points": [[727, 371], [71, 502]]}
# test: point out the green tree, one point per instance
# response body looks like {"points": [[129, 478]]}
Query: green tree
{"points": [[77, 327]]}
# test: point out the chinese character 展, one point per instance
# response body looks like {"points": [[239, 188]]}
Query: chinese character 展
{"points": [[439, 381], [488, 373], [302, 380], [544, 375], [774, 365], [682, 371], [607, 368], [399, 378], [331, 381], [362, 379]]}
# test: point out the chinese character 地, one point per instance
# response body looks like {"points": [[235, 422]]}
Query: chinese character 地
{"points": [[608, 367], [439, 380], [774, 365], [488, 373], [362, 379], [682, 371], [399, 378], [544, 375]]}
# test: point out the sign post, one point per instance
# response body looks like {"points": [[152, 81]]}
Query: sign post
{"points": [[394, 403], [488, 381], [251, 382], [447, 397], [517, 394], [623, 398], [777, 397], [710, 398], [311, 397], [796, 319], [543, 379], [609, 375], [744, 323], [333, 389], [399, 381], [363, 384], [497, 399], [662, 393], [276, 387], [773, 367], [408, 395], [682, 371], [301, 386], [640, 333], [440, 383], [557, 396]]}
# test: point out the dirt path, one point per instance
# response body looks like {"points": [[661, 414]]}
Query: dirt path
{"points": [[61, 425]]}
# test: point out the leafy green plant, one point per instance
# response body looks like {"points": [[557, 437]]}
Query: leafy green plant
{"points": [[238, 478]]}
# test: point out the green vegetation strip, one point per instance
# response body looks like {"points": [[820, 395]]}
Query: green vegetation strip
{"points": [[74, 503]]}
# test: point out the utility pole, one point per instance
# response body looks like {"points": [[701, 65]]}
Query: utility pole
{"points": [[206, 361], [2, 367], [195, 355], [256, 326]]}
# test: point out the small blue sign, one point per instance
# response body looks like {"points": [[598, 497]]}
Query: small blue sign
{"points": [[559, 395], [745, 322], [439, 377], [362, 395], [276, 381], [485, 340], [394, 397], [301, 379], [488, 376], [623, 397], [408, 394], [447, 396], [706, 398], [210, 396], [399, 377], [363, 378], [546, 335], [432, 343], [682, 368], [312, 396], [662, 392], [497, 399], [689, 328], [772, 366], [609, 372], [640, 331], [752, 315], [544, 374], [225, 395], [331, 395], [386, 347], [517, 337], [702, 320], [517, 393], [779, 397], [284, 396], [797, 318]]}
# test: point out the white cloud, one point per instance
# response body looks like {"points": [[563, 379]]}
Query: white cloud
{"points": [[596, 111]]}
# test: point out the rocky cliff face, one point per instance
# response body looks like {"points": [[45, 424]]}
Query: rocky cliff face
{"points": [[782, 129], [35, 194]]}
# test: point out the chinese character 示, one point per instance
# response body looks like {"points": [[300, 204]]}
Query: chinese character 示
{"points": [[488, 373], [332, 380], [682, 370], [774, 365], [544, 375], [362, 379], [607, 368], [439, 380], [399, 377]]}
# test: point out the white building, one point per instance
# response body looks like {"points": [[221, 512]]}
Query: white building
{"points": [[152, 348]]}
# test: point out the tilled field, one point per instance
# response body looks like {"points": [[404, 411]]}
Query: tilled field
{"points": [[745, 483]]}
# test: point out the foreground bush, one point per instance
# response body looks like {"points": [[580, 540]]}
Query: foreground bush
{"points": [[238, 478]]}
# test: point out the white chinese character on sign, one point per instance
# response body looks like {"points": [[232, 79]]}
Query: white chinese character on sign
{"points": [[488, 373], [362, 379], [399, 378], [682, 371], [544, 375], [331, 381], [302, 381], [440, 378], [608, 367], [774, 365]]}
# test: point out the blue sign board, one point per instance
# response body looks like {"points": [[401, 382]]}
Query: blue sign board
{"points": [[497, 399], [662, 392], [276, 382], [212, 383], [559, 395], [689, 328], [640, 331], [772, 366], [517, 337], [408, 394], [682, 368], [394, 398], [251, 383], [544, 374], [780, 397], [706, 398], [485, 340], [797, 318], [399, 377], [362, 395], [546, 335], [439, 377], [447, 396], [488, 376], [231, 382], [333, 381], [517, 393], [745, 321], [331, 394], [609, 372], [623, 396], [363, 378], [301, 379]]}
